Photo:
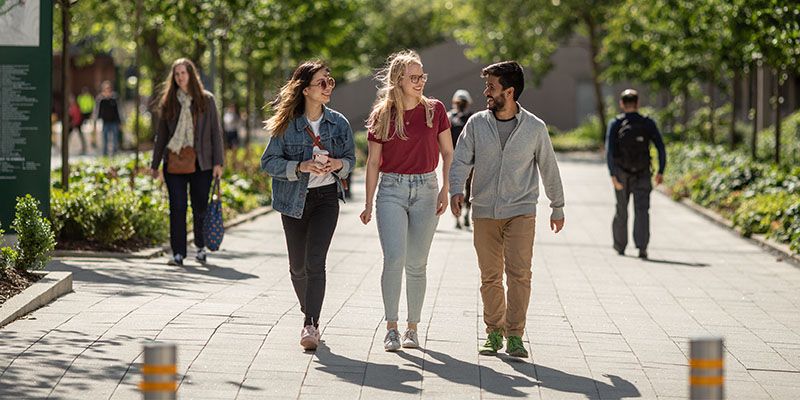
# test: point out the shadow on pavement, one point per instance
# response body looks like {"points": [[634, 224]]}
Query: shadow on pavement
{"points": [[682, 263], [216, 271], [464, 373], [379, 376], [565, 382], [52, 362], [458, 371]]}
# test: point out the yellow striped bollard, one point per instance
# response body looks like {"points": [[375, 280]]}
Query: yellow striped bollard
{"points": [[706, 372], [159, 372]]}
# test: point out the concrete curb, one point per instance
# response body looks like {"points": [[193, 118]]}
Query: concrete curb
{"points": [[782, 251], [159, 250], [50, 287]]}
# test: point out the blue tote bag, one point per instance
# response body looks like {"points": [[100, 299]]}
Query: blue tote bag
{"points": [[213, 230]]}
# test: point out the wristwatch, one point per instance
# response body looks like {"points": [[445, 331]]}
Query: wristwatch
{"points": [[297, 170]]}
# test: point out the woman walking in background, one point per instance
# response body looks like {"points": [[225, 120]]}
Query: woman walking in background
{"points": [[407, 132], [107, 110], [310, 152], [189, 141]]}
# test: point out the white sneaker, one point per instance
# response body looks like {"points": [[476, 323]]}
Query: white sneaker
{"points": [[309, 337], [410, 339], [392, 340]]}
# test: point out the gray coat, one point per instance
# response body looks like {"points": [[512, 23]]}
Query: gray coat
{"points": [[207, 137], [505, 181]]}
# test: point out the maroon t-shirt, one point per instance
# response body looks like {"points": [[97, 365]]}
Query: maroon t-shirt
{"points": [[419, 153]]}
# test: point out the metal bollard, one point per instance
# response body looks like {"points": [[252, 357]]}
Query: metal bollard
{"points": [[159, 372], [706, 375]]}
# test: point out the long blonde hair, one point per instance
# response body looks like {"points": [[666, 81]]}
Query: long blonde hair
{"points": [[388, 104], [290, 102]]}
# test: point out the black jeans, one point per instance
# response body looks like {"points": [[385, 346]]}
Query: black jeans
{"points": [[199, 185], [640, 186], [308, 240]]}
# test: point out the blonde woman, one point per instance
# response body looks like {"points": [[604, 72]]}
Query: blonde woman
{"points": [[310, 152], [407, 132]]}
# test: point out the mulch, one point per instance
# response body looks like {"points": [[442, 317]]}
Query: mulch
{"points": [[13, 281]]}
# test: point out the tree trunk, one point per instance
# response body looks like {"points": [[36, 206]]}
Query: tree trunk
{"points": [[596, 70], [754, 107], [778, 100], [223, 49], [737, 77], [248, 101], [685, 111], [137, 93], [65, 89], [711, 112]]}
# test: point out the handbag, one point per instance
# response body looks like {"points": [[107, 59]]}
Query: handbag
{"points": [[183, 162], [213, 229], [318, 143]]}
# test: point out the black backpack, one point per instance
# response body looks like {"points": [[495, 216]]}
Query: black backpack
{"points": [[633, 145]]}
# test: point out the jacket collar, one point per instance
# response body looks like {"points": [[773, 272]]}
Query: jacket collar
{"points": [[301, 122]]}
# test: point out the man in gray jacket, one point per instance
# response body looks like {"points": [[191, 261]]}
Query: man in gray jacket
{"points": [[508, 148]]}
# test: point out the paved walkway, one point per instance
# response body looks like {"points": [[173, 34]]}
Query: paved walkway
{"points": [[600, 326]]}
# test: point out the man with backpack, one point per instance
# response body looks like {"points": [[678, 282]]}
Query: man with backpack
{"points": [[628, 156]]}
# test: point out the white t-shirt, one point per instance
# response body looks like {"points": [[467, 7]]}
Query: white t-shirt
{"points": [[319, 180]]}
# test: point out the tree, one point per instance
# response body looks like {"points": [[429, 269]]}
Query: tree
{"points": [[772, 30], [530, 31]]}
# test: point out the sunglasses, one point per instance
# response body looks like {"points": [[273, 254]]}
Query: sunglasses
{"points": [[324, 83]]}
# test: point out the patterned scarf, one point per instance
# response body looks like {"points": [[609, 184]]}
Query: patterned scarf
{"points": [[184, 132]]}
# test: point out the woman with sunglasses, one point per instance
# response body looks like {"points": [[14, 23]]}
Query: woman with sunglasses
{"points": [[310, 152], [407, 132]]}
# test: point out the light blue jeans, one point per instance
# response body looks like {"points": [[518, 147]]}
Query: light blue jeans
{"points": [[406, 217]]}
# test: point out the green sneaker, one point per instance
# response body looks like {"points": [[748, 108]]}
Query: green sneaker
{"points": [[493, 343], [515, 347]]}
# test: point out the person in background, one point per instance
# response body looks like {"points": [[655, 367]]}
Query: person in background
{"points": [[86, 104], [230, 124], [107, 110], [459, 115], [628, 158], [188, 118], [75, 121]]}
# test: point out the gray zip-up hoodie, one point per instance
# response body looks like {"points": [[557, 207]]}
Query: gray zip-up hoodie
{"points": [[505, 183]]}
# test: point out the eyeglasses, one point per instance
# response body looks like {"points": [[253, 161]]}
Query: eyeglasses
{"points": [[325, 82], [416, 78]]}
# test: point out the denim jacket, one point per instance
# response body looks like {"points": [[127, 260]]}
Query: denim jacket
{"points": [[284, 152]]}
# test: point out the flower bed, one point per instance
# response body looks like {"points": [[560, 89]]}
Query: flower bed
{"points": [[758, 198], [105, 210]]}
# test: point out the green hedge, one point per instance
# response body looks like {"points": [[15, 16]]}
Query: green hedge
{"points": [[757, 197], [103, 210]]}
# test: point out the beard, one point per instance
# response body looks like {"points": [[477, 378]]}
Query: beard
{"points": [[496, 104]]}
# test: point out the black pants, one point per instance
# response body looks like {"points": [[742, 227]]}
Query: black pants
{"points": [[308, 240], [640, 186], [199, 185]]}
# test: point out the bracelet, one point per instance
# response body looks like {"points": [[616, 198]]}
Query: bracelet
{"points": [[297, 170]]}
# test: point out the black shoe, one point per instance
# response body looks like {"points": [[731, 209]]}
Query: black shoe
{"points": [[643, 254], [201, 256], [619, 251], [177, 259], [466, 221], [458, 225]]}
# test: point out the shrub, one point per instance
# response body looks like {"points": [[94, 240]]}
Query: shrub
{"points": [[35, 238], [583, 138]]}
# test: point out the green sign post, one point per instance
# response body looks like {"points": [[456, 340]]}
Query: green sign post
{"points": [[26, 59]]}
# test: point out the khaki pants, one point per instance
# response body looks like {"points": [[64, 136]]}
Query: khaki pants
{"points": [[505, 245]]}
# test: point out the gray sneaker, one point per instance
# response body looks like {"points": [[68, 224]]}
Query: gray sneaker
{"points": [[392, 340], [410, 339]]}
